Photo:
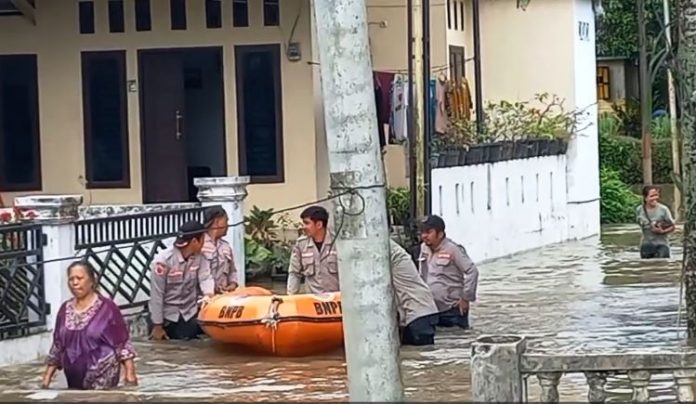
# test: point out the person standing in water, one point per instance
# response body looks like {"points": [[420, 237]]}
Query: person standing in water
{"points": [[656, 223]]}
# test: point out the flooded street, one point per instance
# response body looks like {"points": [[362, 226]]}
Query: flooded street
{"points": [[582, 296]]}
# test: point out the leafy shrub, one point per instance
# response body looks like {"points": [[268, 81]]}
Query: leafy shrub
{"points": [[398, 205], [543, 117], [618, 201], [623, 155]]}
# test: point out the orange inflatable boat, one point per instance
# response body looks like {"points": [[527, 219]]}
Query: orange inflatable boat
{"points": [[255, 319]]}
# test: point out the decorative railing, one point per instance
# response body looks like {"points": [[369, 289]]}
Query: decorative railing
{"points": [[122, 247], [23, 305], [500, 369]]}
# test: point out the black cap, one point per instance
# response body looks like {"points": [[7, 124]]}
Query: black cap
{"points": [[211, 214], [187, 232], [433, 222]]}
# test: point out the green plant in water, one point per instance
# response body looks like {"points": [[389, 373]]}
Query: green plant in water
{"points": [[618, 201], [255, 254]]}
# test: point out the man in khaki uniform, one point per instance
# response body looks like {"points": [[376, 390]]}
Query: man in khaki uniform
{"points": [[417, 311], [217, 251], [314, 257], [450, 273], [179, 274]]}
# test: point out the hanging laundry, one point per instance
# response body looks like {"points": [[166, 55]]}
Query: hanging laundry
{"points": [[441, 121], [383, 80], [378, 109], [459, 100], [399, 104], [432, 90], [466, 99]]}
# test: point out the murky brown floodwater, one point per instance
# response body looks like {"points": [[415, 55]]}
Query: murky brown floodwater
{"points": [[581, 296]]}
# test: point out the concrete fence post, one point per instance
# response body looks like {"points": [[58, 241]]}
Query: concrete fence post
{"points": [[496, 374]]}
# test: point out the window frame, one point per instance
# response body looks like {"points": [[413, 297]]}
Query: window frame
{"points": [[120, 57], [603, 83]]}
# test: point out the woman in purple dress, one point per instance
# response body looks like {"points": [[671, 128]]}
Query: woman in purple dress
{"points": [[90, 340]]}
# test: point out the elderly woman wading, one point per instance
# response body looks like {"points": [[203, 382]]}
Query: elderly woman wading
{"points": [[90, 341], [656, 223]]}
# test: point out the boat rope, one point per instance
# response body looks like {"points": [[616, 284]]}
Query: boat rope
{"points": [[271, 319]]}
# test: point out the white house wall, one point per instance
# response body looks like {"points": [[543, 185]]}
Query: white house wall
{"points": [[499, 209]]}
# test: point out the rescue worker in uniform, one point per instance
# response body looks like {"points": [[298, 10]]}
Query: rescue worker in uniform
{"points": [[450, 273], [218, 251], [314, 257], [180, 275], [416, 308]]}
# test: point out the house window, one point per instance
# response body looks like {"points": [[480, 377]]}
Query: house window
{"points": [[143, 19], [116, 17], [259, 113], [461, 14], [105, 119], [456, 63], [213, 13], [456, 16], [86, 16], [271, 13], [603, 87], [449, 14], [177, 10], [240, 13], [20, 157]]}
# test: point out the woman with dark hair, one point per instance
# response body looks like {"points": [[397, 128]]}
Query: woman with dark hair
{"points": [[656, 223], [90, 339]]}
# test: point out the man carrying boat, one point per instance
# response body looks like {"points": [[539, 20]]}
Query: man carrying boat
{"points": [[450, 273], [314, 256], [217, 251], [180, 274], [416, 308]]}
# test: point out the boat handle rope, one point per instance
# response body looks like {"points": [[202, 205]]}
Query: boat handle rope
{"points": [[271, 319]]}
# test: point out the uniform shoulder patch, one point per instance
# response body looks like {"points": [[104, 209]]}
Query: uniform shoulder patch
{"points": [[161, 268]]}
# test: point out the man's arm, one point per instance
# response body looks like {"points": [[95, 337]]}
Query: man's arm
{"points": [[469, 273], [295, 271], [205, 278]]}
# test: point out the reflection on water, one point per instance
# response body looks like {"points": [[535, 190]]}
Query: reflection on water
{"points": [[580, 296]]}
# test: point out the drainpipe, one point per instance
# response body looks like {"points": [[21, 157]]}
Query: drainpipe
{"points": [[477, 67], [427, 116]]}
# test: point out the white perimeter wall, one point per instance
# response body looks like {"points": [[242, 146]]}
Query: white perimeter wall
{"points": [[499, 209]]}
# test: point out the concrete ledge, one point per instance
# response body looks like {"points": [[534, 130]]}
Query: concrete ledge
{"points": [[25, 349]]}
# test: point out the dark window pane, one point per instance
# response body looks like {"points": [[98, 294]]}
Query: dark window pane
{"points": [[461, 14], [456, 17], [271, 12], [143, 20], [262, 129], [86, 14], [19, 135], [104, 82], [213, 13], [240, 13], [116, 19], [449, 14], [178, 14]]}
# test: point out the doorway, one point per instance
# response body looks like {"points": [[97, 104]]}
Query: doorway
{"points": [[182, 121]]}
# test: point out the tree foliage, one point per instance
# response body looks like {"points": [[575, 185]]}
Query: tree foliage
{"points": [[617, 32]]}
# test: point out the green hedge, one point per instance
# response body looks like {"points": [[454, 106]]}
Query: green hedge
{"points": [[623, 155], [618, 202]]}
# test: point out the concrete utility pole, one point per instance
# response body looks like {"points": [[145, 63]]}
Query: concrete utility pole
{"points": [[674, 128], [686, 63], [369, 321], [645, 95]]}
